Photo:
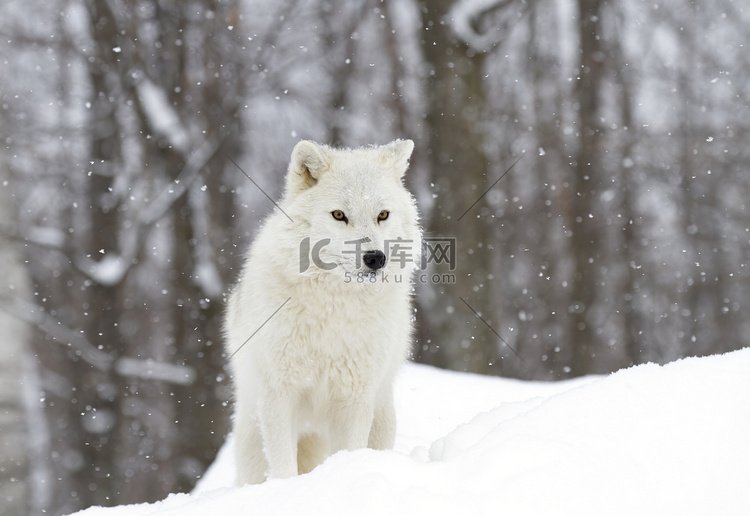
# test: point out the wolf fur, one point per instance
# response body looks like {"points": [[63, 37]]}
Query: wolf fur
{"points": [[316, 340]]}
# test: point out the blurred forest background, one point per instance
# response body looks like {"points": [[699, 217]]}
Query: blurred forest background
{"points": [[621, 236]]}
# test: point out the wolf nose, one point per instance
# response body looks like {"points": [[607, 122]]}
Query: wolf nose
{"points": [[374, 259]]}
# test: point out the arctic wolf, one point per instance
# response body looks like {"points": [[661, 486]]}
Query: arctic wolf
{"points": [[321, 318]]}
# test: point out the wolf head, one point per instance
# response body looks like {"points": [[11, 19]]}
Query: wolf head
{"points": [[351, 211]]}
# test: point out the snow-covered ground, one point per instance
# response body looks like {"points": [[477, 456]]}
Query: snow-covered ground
{"points": [[671, 440]]}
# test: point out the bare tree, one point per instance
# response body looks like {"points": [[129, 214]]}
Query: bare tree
{"points": [[456, 159], [14, 445], [145, 250], [586, 186]]}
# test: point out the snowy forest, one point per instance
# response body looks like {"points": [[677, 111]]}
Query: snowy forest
{"points": [[587, 160]]}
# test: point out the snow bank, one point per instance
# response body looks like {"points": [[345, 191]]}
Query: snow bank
{"points": [[646, 440]]}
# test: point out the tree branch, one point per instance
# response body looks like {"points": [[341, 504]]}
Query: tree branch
{"points": [[466, 16], [35, 315]]}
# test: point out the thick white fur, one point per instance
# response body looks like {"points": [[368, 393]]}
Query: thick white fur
{"points": [[317, 376]]}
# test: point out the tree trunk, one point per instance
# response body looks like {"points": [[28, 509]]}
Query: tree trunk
{"points": [[586, 226], [452, 335], [14, 340]]}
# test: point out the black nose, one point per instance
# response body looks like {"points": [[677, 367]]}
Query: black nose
{"points": [[374, 259]]}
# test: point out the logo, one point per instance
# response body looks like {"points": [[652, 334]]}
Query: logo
{"points": [[400, 252], [439, 250]]}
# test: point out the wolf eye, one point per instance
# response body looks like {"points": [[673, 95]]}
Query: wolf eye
{"points": [[383, 215], [339, 215]]}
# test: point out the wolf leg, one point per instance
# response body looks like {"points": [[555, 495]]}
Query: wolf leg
{"points": [[383, 431], [251, 462], [279, 440], [351, 426], [312, 450]]}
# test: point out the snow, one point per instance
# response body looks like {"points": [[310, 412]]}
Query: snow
{"points": [[646, 440], [154, 370], [162, 116], [108, 271], [462, 17]]}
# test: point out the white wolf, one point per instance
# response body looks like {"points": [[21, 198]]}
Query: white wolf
{"points": [[321, 318]]}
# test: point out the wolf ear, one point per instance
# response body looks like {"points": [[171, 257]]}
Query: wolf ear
{"points": [[309, 162], [398, 153]]}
